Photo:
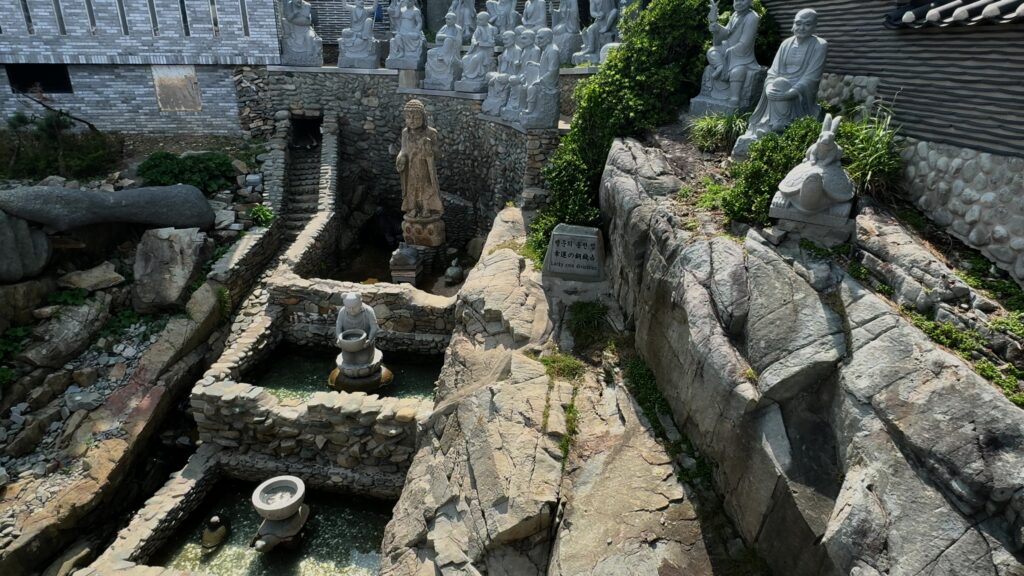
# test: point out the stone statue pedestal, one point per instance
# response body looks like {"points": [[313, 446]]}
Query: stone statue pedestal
{"points": [[829, 228], [274, 533], [475, 86], [415, 61], [716, 101], [428, 231], [359, 366], [313, 59], [366, 61]]}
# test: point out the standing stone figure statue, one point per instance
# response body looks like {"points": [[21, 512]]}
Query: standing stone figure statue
{"points": [[791, 88], [605, 14], [444, 65], [535, 14], [733, 76], [816, 197], [409, 45], [567, 29], [541, 110], [465, 17], [480, 59], [503, 14], [356, 46], [421, 194], [300, 45]]}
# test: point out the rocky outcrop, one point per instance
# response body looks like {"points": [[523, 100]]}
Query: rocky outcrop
{"points": [[68, 334], [96, 278], [166, 263], [846, 441], [24, 251], [60, 209]]}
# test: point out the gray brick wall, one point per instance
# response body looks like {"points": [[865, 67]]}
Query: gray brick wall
{"points": [[108, 45], [122, 98]]}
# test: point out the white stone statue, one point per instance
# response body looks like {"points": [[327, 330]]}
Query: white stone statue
{"points": [[480, 59], [450, 28], [568, 37], [791, 88], [503, 14], [355, 315], [444, 65], [523, 74], [357, 47], [733, 76], [818, 192], [497, 94], [535, 14], [409, 45], [300, 45], [541, 110], [605, 14], [510, 53], [465, 17], [526, 40]]}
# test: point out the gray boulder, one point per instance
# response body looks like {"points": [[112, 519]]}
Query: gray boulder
{"points": [[97, 278], [24, 251], [179, 206], [166, 263], [68, 334]]}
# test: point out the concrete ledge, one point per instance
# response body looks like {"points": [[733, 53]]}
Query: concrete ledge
{"points": [[335, 70], [478, 96], [588, 71]]}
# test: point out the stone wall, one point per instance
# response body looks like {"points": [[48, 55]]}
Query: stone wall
{"points": [[834, 425], [367, 440], [411, 320], [243, 263], [568, 79], [122, 98], [255, 109], [836, 89]]}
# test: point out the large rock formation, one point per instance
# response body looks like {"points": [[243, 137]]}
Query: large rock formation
{"points": [[166, 263], [68, 334], [24, 251], [179, 206], [846, 441]]}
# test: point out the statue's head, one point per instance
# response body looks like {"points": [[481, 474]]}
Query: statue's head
{"points": [[415, 114], [483, 18], [805, 23], [449, 18], [353, 303], [508, 38], [742, 5], [527, 37], [544, 36]]}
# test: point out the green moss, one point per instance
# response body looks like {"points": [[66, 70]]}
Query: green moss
{"points": [[979, 274], [963, 342], [859, 272]]}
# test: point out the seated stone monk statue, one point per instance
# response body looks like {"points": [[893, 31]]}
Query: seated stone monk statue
{"points": [[733, 76], [818, 191], [791, 88]]}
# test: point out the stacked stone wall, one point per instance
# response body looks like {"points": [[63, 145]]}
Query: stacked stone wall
{"points": [[568, 79]]}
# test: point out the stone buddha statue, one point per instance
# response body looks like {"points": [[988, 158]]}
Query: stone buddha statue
{"points": [[356, 46], [497, 94], [465, 17], [510, 53], [816, 197], [444, 65], [566, 22], [541, 110], [602, 30], [421, 193], [791, 88], [409, 45], [733, 76], [451, 28], [503, 14], [300, 44], [359, 366], [480, 59], [535, 14], [355, 315]]}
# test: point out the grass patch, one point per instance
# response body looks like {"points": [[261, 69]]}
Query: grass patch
{"points": [[717, 132], [1006, 378], [978, 275], [587, 321], [642, 385], [563, 366], [859, 272], [963, 342]]}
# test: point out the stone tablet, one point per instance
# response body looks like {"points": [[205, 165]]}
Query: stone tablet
{"points": [[575, 253]]}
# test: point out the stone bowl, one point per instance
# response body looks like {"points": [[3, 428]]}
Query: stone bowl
{"points": [[352, 340], [279, 498]]}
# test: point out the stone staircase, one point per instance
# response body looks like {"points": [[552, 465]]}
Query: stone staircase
{"points": [[300, 201]]}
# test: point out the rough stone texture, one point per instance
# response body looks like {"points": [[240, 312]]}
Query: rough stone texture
{"points": [[178, 206], [838, 89], [973, 195], [96, 278], [24, 251], [167, 261], [897, 460], [17, 301], [66, 336]]}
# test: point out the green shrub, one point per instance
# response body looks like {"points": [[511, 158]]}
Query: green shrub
{"points": [[262, 215], [209, 171], [33, 154], [69, 297], [717, 132], [12, 341]]}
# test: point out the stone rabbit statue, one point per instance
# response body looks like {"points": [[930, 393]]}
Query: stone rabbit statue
{"points": [[819, 184]]}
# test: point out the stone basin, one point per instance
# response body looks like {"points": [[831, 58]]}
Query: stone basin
{"points": [[279, 498]]}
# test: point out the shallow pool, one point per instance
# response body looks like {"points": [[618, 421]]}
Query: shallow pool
{"points": [[295, 373], [343, 537]]}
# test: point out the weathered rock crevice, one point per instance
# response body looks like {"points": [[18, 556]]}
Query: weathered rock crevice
{"points": [[846, 441]]}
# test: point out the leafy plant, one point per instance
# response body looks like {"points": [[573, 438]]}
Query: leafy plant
{"points": [[209, 171], [119, 323], [586, 320], [872, 155], [859, 271], [1011, 324], [1007, 379], [224, 302], [12, 341], [69, 297], [717, 132], [572, 416], [261, 215]]}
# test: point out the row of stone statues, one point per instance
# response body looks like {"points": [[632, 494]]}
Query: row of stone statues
{"points": [[358, 48]]}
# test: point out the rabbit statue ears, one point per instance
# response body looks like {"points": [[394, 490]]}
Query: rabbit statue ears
{"points": [[831, 124]]}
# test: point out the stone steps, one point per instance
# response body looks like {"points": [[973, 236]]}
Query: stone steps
{"points": [[301, 200]]}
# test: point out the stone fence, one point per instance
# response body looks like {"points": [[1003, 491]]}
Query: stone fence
{"points": [[411, 320], [356, 442]]}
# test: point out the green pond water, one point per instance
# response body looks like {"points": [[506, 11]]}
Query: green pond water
{"points": [[293, 373], [343, 538]]}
